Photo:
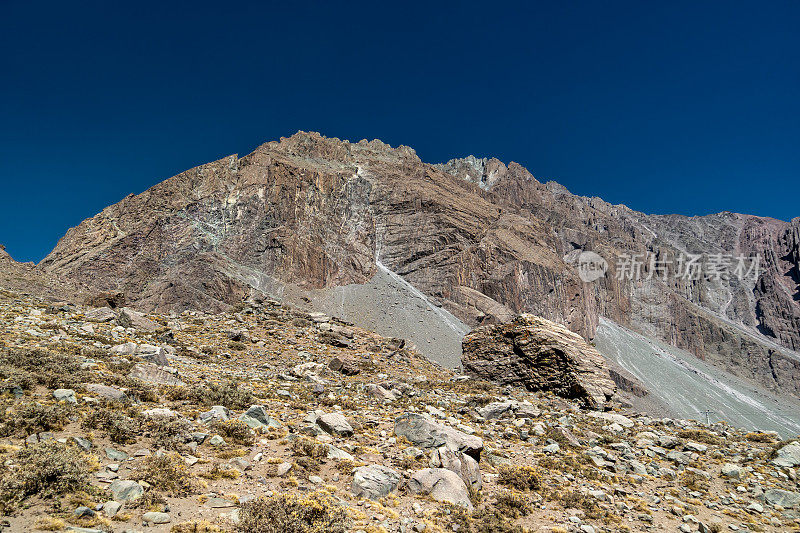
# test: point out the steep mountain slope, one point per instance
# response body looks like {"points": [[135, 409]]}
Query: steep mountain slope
{"points": [[482, 239], [27, 279], [692, 389]]}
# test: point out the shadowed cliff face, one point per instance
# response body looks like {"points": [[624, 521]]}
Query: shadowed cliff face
{"points": [[483, 239]]}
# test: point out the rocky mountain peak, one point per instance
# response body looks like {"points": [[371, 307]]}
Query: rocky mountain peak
{"points": [[484, 240]]}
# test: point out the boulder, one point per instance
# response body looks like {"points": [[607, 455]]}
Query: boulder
{"points": [[155, 517], [539, 355], [788, 456], [153, 354], [105, 391], [731, 471], [111, 508], [335, 424], [125, 490], [344, 366], [460, 463], [128, 318], [442, 485], [374, 481], [101, 314], [426, 433], [256, 416], [67, 395], [784, 498], [497, 409], [153, 374]]}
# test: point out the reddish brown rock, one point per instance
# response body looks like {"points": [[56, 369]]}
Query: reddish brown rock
{"points": [[537, 354], [483, 239]]}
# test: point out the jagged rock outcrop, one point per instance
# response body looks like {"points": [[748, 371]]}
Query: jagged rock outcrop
{"points": [[537, 354], [26, 278], [482, 239]]}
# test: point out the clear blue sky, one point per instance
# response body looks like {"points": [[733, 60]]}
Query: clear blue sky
{"points": [[668, 107]]}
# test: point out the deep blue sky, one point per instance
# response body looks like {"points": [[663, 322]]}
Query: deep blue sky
{"points": [[668, 107]]}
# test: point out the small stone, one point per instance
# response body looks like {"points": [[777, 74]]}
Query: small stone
{"points": [[67, 395], [82, 511], [111, 508], [284, 468], [115, 455], [156, 518], [126, 490]]}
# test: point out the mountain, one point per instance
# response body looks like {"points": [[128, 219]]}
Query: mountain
{"points": [[478, 240]]}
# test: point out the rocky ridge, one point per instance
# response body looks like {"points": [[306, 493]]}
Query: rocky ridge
{"points": [[483, 239]]}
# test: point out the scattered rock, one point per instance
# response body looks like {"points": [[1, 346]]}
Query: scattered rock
{"points": [[66, 395], [374, 481], [125, 490], [442, 485], [335, 424], [425, 433]]}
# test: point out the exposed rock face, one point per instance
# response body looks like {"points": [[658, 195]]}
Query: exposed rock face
{"points": [[539, 355], [484, 240], [26, 278]]}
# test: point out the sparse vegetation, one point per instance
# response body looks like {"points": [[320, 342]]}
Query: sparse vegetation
{"points": [[120, 428], [519, 477], [513, 503], [168, 433], [43, 367], [45, 469], [228, 393], [27, 417], [168, 472], [287, 513], [234, 431]]}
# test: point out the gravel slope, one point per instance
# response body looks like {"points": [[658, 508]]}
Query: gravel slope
{"points": [[689, 387]]}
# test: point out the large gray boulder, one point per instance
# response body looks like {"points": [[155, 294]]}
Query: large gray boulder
{"points": [[374, 481], [125, 490], [784, 498], [788, 456], [153, 374], [425, 433], [335, 424], [537, 354], [442, 485], [460, 463], [128, 318]]}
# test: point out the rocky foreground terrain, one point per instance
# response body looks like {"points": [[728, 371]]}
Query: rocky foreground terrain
{"points": [[265, 418]]}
